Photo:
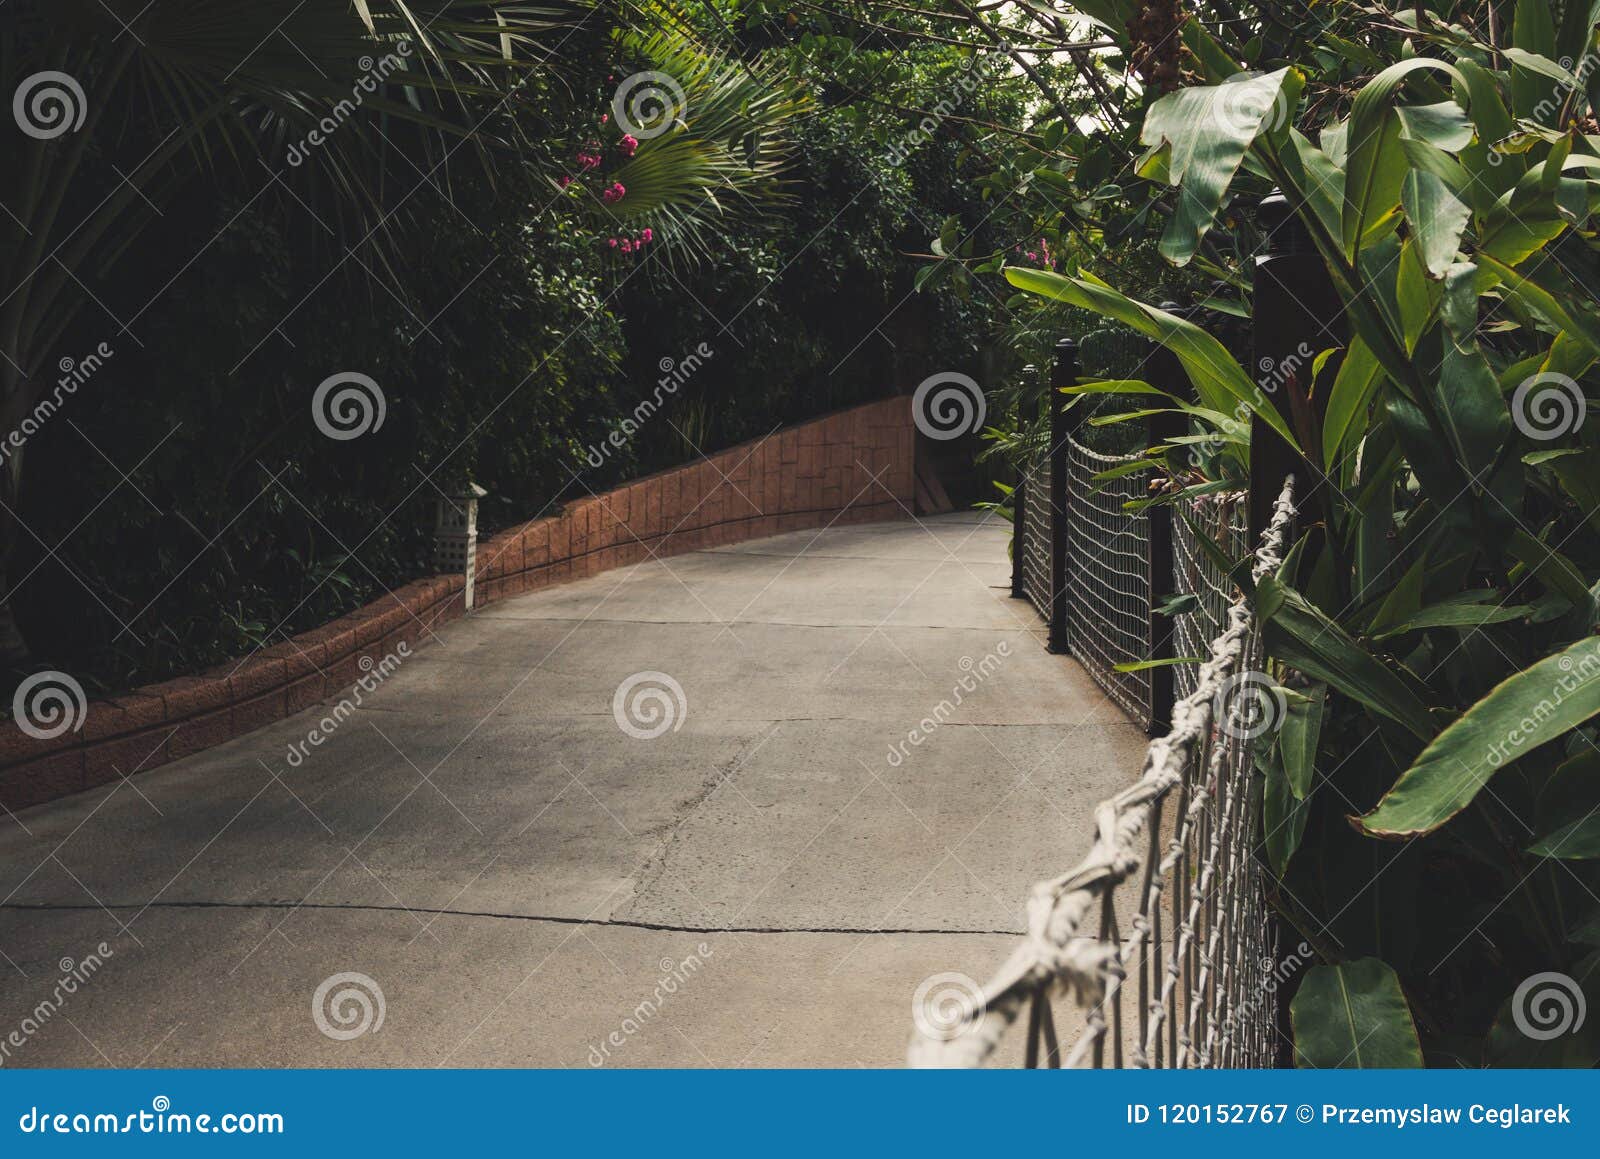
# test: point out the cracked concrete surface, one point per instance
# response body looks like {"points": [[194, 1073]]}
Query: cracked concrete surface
{"points": [[518, 875]]}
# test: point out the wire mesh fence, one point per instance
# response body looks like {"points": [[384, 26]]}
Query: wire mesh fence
{"points": [[1036, 529], [1159, 941], [1224, 518], [1110, 600]]}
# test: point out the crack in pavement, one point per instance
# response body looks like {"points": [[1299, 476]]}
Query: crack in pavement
{"points": [[549, 919]]}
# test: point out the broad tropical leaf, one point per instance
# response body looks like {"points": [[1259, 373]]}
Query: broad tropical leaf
{"points": [[1532, 708], [1199, 135], [1353, 1015]]}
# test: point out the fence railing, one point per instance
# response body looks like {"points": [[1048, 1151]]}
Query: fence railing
{"points": [[1094, 569], [1173, 911]]}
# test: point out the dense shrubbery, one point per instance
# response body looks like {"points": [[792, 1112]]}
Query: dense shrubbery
{"points": [[507, 334]]}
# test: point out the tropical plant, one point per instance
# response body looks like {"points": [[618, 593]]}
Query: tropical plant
{"points": [[1432, 808]]}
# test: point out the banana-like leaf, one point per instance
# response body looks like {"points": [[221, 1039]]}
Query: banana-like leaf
{"points": [[1219, 382], [1299, 736], [1576, 841], [1353, 1015], [1314, 172], [1283, 815], [1353, 388], [1474, 413], [1437, 217], [1377, 162], [1445, 125], [1580, 478], [1307, 640], [1457, 615], [1532, 708], [1201, 133], [1416, 294]]}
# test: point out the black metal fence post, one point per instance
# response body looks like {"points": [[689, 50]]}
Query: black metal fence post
{"points": [[1297, 314], [1019, 515], [1063, 419]]}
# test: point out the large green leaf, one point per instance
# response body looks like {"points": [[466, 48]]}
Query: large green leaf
{"points": [[1568, 811], [1437, 218], [1346, 416], [1490, 173], [1299, 736], [1313, 172], [1283, 815], [1445, 125], [1457, 615], [1532, 708], [1201, 134], [1575, 841], [1219, 381], [1353, 1014], [1474, 412], [1376, 161], [1307, 640]]}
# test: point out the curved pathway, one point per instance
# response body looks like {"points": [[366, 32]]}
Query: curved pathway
{"points": [[766, 883]]}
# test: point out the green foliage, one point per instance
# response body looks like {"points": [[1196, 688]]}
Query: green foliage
{"points": [[509, 338], [1353, 1015], [1434, 626]]}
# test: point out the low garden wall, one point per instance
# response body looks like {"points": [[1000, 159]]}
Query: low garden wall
{"points": [[851, 467]]}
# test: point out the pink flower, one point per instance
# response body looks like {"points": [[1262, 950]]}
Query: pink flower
{"points": [[648, 234], [629, 144], [565, 181], [604, 117], [612, 243], [627, 247], [614, 193]]}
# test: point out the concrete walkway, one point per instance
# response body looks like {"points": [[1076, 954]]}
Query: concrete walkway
{"points": [[527, 884]]}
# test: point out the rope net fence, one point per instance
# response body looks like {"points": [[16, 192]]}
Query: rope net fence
{"points": [[1160, 940]]}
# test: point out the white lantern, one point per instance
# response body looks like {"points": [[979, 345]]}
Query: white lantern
{"points": [[455, 532]]}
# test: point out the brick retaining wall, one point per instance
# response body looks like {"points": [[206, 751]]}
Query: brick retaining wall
{"points": [[851, 467]]}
